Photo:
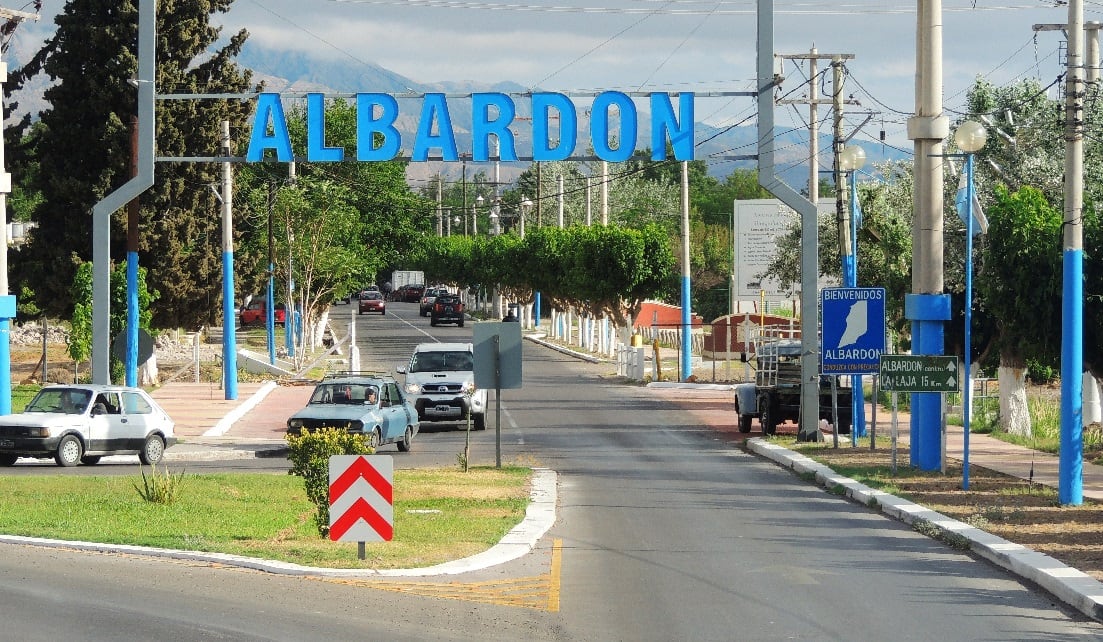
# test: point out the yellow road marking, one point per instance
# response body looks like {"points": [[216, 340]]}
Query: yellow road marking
{"points": [[540, 592]]}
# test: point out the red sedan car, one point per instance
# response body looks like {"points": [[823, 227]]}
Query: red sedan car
{"points": [[372, 301], [254, 313]]}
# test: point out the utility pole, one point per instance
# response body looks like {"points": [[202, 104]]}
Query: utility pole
{"points": [[809, 211], [813, 99], [229, 340], [1070, 478]]}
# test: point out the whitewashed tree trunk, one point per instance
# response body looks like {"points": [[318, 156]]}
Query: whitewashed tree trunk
{"points": [[1014, 415], [319, 329], [148, 374]]}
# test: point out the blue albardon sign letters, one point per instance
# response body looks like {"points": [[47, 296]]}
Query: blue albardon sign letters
{"points": [[492, 114]]}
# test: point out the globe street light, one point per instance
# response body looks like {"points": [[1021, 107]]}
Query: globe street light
{"points": [[970, 137], [851, 159], [495, 227]]}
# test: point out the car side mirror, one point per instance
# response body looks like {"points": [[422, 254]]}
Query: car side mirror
{"points": [[400, 369]]}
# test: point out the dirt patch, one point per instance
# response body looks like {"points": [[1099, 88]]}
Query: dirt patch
{"points": [[1015, 509]]}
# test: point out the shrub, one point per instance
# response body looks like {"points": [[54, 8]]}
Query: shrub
{"points": [[309, 455], [160, 487]]}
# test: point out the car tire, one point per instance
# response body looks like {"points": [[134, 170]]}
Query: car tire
{"points": [[433, 322], [90, 460], [406, 442], [744, 423], [767, 415], [152, 451], [69, 451], [375, 440], [460, 323], [480, 421], [8, 460], [360, 312]]}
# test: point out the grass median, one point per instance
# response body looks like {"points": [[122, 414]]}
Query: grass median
{"points": [[439, 515]]}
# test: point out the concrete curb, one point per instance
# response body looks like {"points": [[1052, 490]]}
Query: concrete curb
{"points": [[539, 518], [1073, 587], [538, 338]]}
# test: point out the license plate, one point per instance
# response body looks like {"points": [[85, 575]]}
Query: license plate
{"points": [[7, 443], [447, 308], [444, 408]]}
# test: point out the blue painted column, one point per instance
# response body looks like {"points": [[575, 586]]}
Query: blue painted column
{"points": [[536, 312], [229, 323], [928, 314], [132, 319], [7, 313], [850, 279], [1070, 482], [270, 315]]}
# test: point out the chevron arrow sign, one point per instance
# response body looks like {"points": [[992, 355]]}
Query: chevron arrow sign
{"points": [[361, 498]]}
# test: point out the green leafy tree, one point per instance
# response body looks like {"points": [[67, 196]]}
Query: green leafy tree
{"points": [[82, 148], [80, 334]]}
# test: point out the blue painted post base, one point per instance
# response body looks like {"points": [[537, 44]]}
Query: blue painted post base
{"points": [[928, 314]]}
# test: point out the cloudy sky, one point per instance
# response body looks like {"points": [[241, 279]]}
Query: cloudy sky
{"points": [[663, 45]]}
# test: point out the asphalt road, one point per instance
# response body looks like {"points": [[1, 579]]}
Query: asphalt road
{"points": [[665, 531]]}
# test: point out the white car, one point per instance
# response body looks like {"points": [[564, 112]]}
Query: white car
{"points": [[81, 423], [440, 380]]}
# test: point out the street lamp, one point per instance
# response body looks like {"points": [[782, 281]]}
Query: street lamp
{"points": [[526, 205], [970, 137], [479, 200], [851, 159], [495, 209]]}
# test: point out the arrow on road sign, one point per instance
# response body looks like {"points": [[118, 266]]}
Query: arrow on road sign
{"points": [[361, 510], [360, 468]]}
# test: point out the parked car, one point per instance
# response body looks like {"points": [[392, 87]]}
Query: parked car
{"points": [[409, 293], [440, 381], [80, 423], [447, 308], [365, 403], [429, 297], [372, 301], [255, 313]]}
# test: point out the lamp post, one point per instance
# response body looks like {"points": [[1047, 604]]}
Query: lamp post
{"points": [[851, 160], [526, 205], [475, 215], [970, 137]]}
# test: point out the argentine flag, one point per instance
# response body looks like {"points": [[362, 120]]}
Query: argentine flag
{"points": [[980, 221]]}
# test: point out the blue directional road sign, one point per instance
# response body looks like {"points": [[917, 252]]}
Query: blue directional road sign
{"points": [[853, 330]]}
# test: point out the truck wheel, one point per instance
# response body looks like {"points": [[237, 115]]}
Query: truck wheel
{"points": [[479, 421], [744, 423], [767, 415]]}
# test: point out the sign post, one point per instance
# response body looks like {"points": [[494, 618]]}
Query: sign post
{"points": [[497, 352], [919, 373]]}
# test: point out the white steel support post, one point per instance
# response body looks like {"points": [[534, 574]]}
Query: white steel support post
{"points": [[101, 211]]}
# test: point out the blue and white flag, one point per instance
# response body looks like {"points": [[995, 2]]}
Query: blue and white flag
{"points": [[857, 212], [980, 221]]}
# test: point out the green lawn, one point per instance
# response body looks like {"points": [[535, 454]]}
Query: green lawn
{"points": [[439, 515]]}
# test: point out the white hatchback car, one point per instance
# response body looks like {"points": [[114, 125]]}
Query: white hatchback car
{"points": [[80, 423], [440, 380]]}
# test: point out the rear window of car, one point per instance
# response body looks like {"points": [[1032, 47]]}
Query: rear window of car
{"points": [[372, 296]]}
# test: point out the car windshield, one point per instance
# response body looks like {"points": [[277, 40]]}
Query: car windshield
{"points": [[345, 393], [441, 361], [71, 401]]}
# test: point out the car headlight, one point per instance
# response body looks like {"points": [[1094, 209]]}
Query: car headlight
{"points": [[294, 423], [412, 388], [38, 431], [469, 387]]}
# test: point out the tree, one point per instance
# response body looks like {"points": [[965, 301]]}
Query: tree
{"points": [[82, 147], [1020, 285]]}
